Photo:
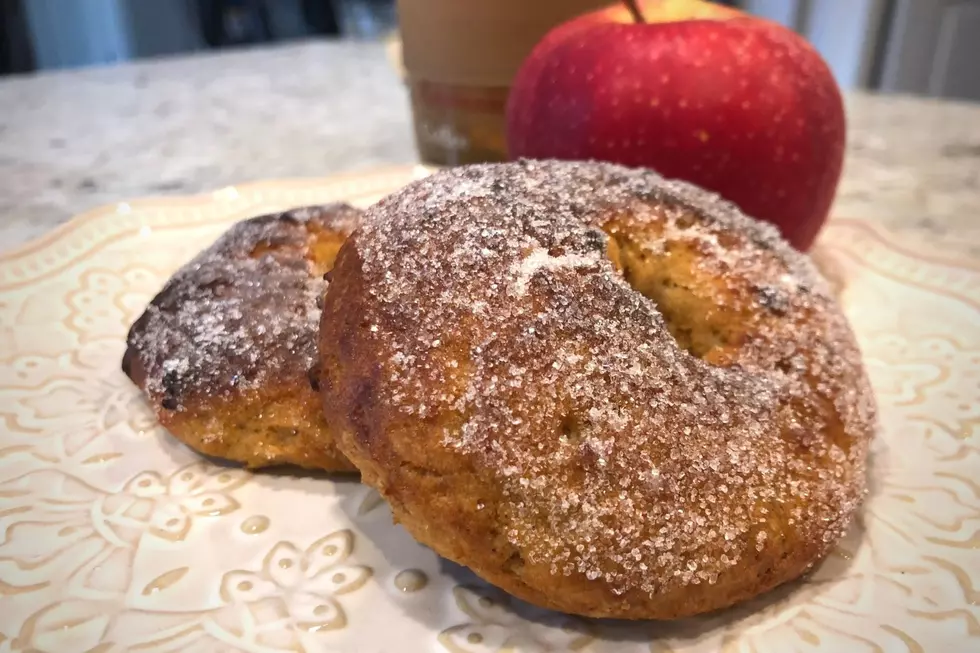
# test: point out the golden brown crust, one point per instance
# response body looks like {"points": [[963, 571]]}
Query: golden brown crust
{"points": [[224, 352], [606, 393]]}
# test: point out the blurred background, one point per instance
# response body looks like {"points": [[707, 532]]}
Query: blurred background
{"points": [[924, 47]]}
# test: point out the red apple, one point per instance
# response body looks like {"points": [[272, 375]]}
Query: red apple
{"points": [[739, 105]]}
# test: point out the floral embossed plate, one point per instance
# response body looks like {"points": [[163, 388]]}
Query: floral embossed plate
{"points": [[115, 537]]}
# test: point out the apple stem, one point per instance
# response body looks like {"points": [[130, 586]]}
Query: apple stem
{"points": [[634, 11]]}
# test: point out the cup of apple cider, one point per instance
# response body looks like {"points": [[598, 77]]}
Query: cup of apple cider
{"points": [[459, 58]]}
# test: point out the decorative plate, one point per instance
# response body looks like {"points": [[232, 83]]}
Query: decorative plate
{"points": [[115, 537]]}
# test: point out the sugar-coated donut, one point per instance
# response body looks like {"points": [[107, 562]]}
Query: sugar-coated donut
{"points": [[604, 392], [224, 352]]}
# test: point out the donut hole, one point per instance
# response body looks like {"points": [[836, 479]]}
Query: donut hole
{"points": [[696, 308], [320, 251], [323, 249]]}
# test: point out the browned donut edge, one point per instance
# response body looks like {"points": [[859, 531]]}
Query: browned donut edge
{"points": [[279, 420]]}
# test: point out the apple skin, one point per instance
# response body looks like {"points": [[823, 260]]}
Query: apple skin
{"points": [[738, 105]]}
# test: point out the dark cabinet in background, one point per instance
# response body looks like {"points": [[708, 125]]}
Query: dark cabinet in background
{"points": [[72, 33], [925, 47]]}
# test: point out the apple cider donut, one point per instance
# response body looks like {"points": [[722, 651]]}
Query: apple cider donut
{"points": [[224, 352], [606, 393]]}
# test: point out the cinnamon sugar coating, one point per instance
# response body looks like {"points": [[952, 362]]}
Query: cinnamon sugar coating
{"points": [[607, 393], [224, 352]]}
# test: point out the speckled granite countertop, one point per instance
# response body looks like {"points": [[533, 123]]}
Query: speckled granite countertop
{"points": [[70, 141]]}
